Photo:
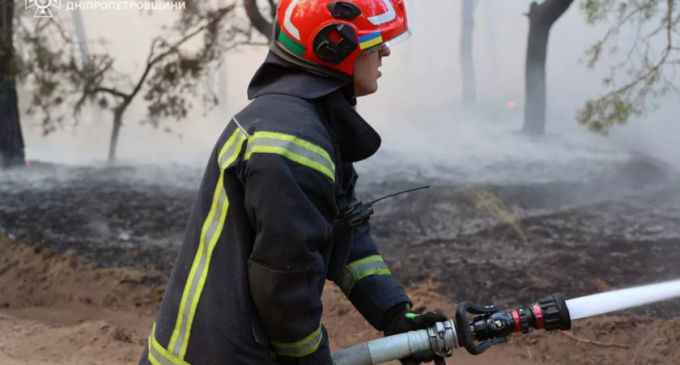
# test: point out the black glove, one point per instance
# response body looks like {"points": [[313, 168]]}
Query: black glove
{"points": [[402, 319]]}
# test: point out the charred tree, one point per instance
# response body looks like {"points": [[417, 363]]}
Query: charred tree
{"points": [[259, 22], [11, 138], [466, 62], [541, 19]]}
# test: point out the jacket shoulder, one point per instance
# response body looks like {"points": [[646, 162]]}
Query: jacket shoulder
{"points": [[286, 115]]}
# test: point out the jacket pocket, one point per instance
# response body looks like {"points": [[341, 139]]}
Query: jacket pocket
{"points": [[283, 299]]}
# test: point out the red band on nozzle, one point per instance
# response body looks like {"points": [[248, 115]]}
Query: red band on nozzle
{"points": [[518, 322], [540, 324]]}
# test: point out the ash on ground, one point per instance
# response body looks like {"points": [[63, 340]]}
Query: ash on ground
{"points": [[488, 243]]}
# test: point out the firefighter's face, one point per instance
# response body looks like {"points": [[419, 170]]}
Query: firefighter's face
{"points": [[366, 71]]}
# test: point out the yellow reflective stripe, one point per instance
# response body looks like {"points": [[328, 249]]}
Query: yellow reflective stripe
{"points": [[234, 155], [151, 357], [298, 141], [293, 148], [294, 157], [368, 266], [153, 360], [228, 144], [211, 230], [300, 348], [158, 355]]}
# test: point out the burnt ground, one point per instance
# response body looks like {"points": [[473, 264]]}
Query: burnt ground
{"points": [[577, 252], [582, 237]]}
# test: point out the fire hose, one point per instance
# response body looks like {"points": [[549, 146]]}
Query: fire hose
{"points": [[491, 325]]}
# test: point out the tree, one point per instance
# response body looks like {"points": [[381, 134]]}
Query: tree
{"points": [[11, 138], [466, 62], [258, 21], [648, 63], [169, 71], [172, 73], [541, 19]]}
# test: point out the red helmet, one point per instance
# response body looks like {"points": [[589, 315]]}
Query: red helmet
{"points": [[326, 36]]}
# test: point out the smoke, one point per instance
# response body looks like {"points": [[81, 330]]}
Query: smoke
{"points": [[417, 109]]}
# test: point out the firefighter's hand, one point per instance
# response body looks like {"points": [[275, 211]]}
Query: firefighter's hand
{"points": [[403, 320]]}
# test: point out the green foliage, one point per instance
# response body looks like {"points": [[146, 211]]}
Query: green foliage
{"points": [[181, 73], [642, 76], [48, 69], [599, 115], [61, 84]]}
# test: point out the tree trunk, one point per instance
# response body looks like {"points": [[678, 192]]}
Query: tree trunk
{"points": [[117, 124], [541, 19], [81, 35], [535, 92], [467, 65], [257, 19], [490, 16], [222, 79], [11, 138]]}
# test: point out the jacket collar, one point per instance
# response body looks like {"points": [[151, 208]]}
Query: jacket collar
{"points": [[335, 98], [356, 138], [278, 76]]}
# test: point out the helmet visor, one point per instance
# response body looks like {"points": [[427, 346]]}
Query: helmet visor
{"points": [[396, 40]]}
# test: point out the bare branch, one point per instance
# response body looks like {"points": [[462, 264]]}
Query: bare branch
{"points": [[111, 91], [219, 15], [272, 8], [257, 20]]}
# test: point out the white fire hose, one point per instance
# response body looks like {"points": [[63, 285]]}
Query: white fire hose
{"points": [[491, 326]]}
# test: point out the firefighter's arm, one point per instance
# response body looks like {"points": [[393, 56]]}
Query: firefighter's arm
{"points": [[368, 282], [289, 198]]}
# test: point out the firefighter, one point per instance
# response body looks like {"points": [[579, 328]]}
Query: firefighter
{"points": [[266, 230]]}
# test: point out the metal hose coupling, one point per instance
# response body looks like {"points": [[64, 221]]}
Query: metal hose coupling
{"points": [[440, 339], [443, 338]]}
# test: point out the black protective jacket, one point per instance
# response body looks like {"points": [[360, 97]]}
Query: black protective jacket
{"points": [[261, 241]]}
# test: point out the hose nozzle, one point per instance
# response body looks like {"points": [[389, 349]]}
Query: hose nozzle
{"points": [[492, 326]]}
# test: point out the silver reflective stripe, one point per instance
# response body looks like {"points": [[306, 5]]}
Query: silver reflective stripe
{"points": [[353, 273], [227, 157], [157, 355], [292, 147], [304, 349], [240, 127], [199, 272], [230, 151]]}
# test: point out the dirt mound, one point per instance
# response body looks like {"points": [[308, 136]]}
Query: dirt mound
{"points": [[57, 309], [31, 276], [24, 342]]}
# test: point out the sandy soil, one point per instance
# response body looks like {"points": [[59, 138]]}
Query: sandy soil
{"points": [[57, 309]]}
